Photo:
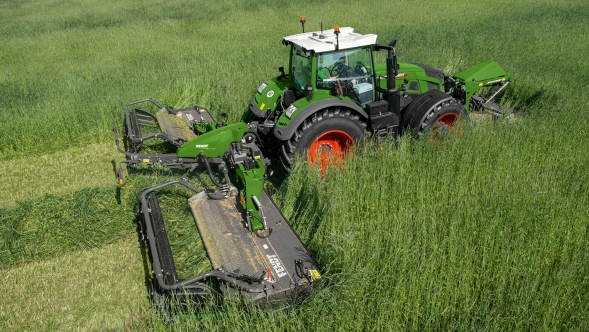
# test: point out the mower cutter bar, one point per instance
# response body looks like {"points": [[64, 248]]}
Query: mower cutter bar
{"points": [[163, 265], [278, 267], [482, 105]]}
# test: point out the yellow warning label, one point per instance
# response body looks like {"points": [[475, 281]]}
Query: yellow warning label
{"points": [[262, 106], [315, 274]]}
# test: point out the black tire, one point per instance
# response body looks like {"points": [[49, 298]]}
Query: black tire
{"points": [[433, 110], [338, 122]]}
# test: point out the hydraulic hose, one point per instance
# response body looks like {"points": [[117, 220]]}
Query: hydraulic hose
{"points": [[206, 161]]}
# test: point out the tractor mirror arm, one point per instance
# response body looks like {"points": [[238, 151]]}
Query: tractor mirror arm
{"points": [[282, 72], [391, 46], [378, 47]]}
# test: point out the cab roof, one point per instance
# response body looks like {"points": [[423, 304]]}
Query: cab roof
{"points": [[325, 41]]}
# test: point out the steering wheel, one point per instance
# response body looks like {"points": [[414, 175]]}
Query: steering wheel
{"points": [[338, 69], [360, 70]]}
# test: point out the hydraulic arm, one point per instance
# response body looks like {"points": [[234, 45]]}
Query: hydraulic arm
{"points": [[230, 147]]}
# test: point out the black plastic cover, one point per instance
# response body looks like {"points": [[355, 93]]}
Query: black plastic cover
{"points": [[383, 121], [377, 107]]}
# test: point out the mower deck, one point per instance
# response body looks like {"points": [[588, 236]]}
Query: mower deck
{"points": [[280, 260], [265, 270], [173, 126]]}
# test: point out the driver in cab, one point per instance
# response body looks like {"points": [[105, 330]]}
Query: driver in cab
{"points": [[331, 66]]}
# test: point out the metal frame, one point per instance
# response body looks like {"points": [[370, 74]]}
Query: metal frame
{"points": [[255, 288], [160, 249], [135, 118]]}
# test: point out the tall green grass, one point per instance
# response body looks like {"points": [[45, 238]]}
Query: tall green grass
{"points": [[486, 231], [68, 69]]}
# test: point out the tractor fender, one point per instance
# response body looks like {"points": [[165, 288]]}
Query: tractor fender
{"points": [[284, 134]]}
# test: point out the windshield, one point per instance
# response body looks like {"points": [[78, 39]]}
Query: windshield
{"points": [[347, 73], [349, 65], [301, 69]]}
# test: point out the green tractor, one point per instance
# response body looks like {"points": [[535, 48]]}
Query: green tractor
{"points": [[334, 93], [332, 97]]}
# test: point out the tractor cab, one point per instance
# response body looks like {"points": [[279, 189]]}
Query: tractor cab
{"points": [[333, 63], [328, 70]]}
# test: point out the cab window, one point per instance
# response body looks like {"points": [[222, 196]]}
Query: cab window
{"points": [[347, 68], [301, 69]]}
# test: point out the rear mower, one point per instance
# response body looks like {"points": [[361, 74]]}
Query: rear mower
{"points": [[333, 96], [251, 246]]}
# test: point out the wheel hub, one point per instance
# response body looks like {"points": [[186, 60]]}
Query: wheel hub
{"points": [[444, 125], [329, 148], [446, 120]]}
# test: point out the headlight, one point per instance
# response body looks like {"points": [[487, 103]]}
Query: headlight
{"points": [[290, 110], [262, 87]]}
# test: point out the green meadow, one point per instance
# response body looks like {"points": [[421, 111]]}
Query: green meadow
{"points": [[487, 230]]}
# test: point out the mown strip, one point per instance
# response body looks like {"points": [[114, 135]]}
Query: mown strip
{"points": [[60, 172], [53, 225], [97, 289]]}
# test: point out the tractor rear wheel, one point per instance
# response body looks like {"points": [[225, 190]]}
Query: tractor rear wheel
{"points": [[323, 138], [434, 110]]}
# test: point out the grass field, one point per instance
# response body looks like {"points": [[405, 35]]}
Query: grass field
{"points": [[488, 231]]}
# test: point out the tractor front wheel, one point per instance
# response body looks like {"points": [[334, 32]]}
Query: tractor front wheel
{"points": [[324, 138]]}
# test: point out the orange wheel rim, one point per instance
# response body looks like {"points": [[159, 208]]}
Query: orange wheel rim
{"points": [[448, 120], [329, 148], [445, 124]]}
